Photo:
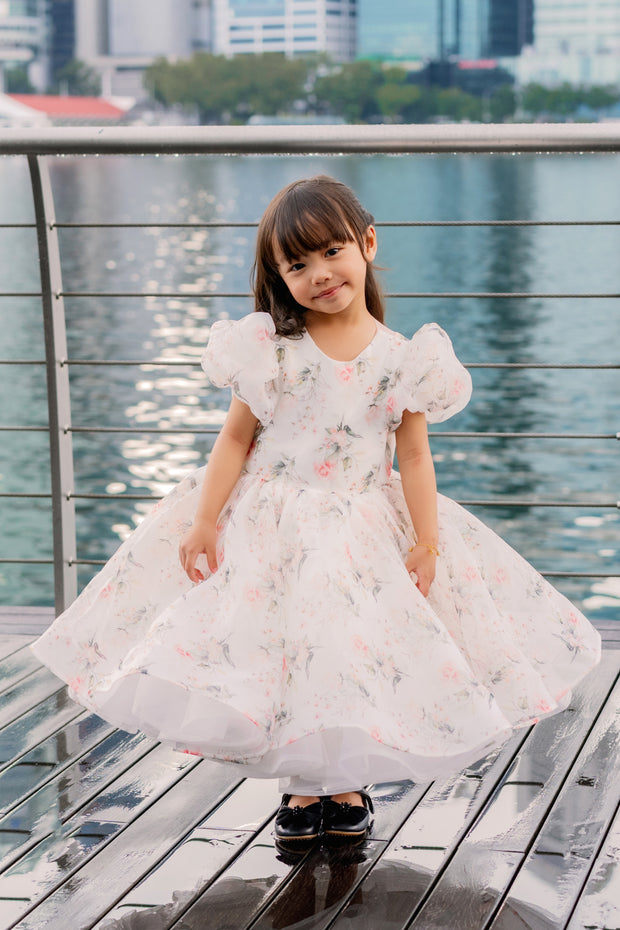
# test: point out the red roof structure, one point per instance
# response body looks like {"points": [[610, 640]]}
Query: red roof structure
{"points": [[61, 109]]}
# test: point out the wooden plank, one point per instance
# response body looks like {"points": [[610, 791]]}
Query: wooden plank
{"points": [[127, 857], [559, 862], [11, 642], [72, 787], [35, 725], [51, 757], [27, 694], [424, 842], [498, 841], [599, 906], [240, 892], [79, 833], [31, 621], [267, 883], [16, 666], [172, 885]]}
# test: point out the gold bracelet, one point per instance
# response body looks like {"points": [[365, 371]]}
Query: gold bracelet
{"points": [[431, 548]]}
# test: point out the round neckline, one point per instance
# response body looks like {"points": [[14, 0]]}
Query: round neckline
{"points": [[348, 361]]}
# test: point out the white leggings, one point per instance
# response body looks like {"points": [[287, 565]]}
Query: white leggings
{"points": [[307, 788]]}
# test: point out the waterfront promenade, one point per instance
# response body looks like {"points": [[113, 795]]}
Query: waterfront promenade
{"points": [[103, 829]]}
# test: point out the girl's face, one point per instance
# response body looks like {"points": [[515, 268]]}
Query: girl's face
{"points": [[331, 279]]}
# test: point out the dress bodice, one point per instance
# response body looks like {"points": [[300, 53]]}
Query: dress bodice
{"points": [[332, 427], [326, 423]]}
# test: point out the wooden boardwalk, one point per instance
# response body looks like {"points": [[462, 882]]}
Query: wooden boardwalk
{"points": [[102, 829]]}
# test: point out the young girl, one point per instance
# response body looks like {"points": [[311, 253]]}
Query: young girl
{"points": [[331, 622]]}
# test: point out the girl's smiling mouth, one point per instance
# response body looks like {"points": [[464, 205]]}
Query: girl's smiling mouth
{"points": [[329, 292]]}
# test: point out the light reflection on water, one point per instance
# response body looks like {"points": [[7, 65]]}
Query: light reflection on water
{"points": [[167, 260]]}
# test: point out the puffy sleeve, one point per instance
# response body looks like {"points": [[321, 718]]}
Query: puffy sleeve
{"points": [[241, 354], [432, 380]]}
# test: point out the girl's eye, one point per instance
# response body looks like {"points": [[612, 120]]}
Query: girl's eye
{"points": [[333, 250], [297, 266]]}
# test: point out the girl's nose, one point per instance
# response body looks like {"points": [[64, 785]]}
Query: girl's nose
{"points": [[320, 273]]}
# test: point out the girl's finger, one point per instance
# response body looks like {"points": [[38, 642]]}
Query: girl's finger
{"points": [[211, 560]]}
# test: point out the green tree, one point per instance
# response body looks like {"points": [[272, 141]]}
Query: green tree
{"points": [[564, 100], [17, 81], [535, 99], [502, 103], [458, 105], [599, 98], [396, 100], [351, 90], [78, 79], [222, 89]]}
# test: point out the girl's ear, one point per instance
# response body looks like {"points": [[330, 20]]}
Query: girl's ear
{"points": [[370, 244]]}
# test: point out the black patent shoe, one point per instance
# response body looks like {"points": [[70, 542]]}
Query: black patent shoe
{"points": [[297, 828], [346, 824]]}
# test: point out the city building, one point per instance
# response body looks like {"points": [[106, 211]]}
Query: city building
{"points": [[23, 39], [61, 35], [419, 30], [293, 27], [577, 41], [120, 39]]}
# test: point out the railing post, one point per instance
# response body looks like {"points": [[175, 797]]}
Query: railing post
{"points": [[59, 404]]}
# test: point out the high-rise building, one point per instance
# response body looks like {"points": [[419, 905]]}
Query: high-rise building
{"points": [[293, 27], [574, 40], [510, 26], [23, 39], [590, 27], [61, 34], [419, 29], [121, 38]]}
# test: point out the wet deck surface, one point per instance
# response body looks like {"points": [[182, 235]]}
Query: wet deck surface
{"points": [[104, 829]]}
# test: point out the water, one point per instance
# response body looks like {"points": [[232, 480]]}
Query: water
{"points": [[425, 187]]}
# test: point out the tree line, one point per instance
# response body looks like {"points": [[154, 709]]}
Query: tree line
{"points": [[233, 90], [223, 90]]}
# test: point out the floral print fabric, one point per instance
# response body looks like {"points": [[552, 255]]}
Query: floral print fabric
{"points": [[310, 653]]}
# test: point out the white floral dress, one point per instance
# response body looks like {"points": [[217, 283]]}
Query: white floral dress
{"points": [[310, 655]]}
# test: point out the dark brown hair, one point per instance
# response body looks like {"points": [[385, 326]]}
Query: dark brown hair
{"points": [[305, 216]]}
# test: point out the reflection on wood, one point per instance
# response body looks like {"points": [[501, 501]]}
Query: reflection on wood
{"points": [[108, 830]]}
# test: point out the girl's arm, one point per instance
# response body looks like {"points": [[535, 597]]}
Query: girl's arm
{"points": [[225, 463], [420, 489]]}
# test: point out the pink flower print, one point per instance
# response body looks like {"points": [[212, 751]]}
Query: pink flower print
{"points": [[388, 469], [262, 334], [323, 469], [572, 618], [501, 576], [543, 707], [183, 652], [105, 592], [252, 595], [449, 672], [359, 644], [390, 404], [375, 734], [470, 573], [345, 373], [457, 387]]}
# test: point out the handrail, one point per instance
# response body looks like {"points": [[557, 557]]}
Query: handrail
{"points": [[58, 395], [212, 140], [289, 140]]}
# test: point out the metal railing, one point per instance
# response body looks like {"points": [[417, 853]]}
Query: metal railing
{"points": [[38, 146]]}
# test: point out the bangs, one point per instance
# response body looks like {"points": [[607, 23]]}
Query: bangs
{"points": [[305, 222]]}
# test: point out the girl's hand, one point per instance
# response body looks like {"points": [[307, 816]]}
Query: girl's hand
{"points": [[200, 539], [421, 561]]}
